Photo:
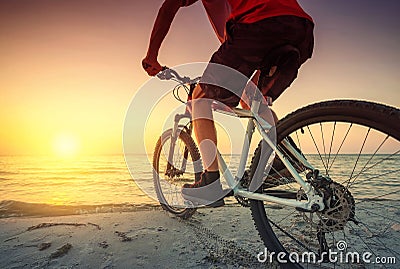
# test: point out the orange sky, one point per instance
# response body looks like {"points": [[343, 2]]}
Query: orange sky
{"points": [[70, 68]]}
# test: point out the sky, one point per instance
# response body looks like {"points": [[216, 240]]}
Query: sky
{"points": [[70, 68]]}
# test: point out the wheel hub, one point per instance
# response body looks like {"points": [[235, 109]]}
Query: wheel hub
{"points": [[173, 172], [339, 208]]}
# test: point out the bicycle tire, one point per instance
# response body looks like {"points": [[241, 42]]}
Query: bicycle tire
{"points": [[374, 116], [193, 151]]}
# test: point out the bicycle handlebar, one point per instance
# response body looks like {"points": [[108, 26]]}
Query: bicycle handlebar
{"points": [[168, 73]]}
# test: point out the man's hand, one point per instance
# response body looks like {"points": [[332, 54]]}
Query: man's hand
{"points": [[151, 66]]}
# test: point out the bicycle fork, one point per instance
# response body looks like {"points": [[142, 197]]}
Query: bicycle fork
{"points": [[174, 138]]}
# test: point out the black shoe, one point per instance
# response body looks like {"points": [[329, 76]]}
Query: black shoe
{"points": [[206, 191]]}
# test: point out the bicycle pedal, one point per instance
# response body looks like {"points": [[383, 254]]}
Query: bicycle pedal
{"points": [[192, 204]]}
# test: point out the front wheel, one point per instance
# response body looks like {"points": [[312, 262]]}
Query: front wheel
{"points": [[170, 176], [356, 144]]}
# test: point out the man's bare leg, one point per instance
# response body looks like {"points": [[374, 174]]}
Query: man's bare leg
{"points": [[206, 135], [204, 129]]}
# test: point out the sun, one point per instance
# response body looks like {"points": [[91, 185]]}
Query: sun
{"points": [[66, 145]]}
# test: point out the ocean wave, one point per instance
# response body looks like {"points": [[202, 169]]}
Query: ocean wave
{"points": [[11, 208], [8, 173]]}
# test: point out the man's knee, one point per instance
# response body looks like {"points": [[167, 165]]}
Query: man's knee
{"points": [[198, 93], [201, 105]]}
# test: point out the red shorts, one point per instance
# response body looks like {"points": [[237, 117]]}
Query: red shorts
{"points": [[244, 51]]}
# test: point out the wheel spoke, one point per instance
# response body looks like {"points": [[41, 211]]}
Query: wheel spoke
{"points": [[379, 196], [290, 236], [369, 160], [358, 158], [285, 216], [298, 141], [380, 215], [341, 145], [323, 144], [366, 244], [379, 162], [315, 144], [330, 146], [377, 240], [373, 177]]}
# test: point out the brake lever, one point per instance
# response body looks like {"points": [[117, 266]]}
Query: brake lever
{"points": [[165, 74]]}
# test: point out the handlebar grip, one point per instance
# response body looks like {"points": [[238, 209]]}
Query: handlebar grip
{"points": [[165, 73], [168, 73]]}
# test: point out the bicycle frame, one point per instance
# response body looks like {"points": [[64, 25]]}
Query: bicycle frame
{"points": [[255, 121]]}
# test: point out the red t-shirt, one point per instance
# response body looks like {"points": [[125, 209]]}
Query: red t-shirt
{"points": [[249, 11]]}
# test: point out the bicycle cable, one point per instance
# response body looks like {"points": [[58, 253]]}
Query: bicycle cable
{"points": [[176, 89]]}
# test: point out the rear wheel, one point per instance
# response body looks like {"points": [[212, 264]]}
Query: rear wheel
{"points": [[356, 144], [170, 177]]}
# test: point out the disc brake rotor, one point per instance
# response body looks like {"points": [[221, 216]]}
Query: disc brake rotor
{"points": [[339, 208]]}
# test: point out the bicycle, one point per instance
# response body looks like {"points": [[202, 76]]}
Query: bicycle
{"points": [[297, 208]]}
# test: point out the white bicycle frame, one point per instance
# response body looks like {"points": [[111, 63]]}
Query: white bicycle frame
{"points": [[254, 120]]}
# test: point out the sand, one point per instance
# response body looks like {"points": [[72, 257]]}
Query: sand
{"points": [[212, 238]]}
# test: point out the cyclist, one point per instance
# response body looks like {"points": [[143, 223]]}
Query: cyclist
{"points": [[248, 30]]}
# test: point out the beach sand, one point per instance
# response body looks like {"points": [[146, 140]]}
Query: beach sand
{"points": [[148, 238]]}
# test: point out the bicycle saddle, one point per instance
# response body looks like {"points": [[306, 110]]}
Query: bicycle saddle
{"points": [[278, 70], [286, 55]]}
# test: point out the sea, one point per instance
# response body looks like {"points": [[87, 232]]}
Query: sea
{"points": [[45, 185]]}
